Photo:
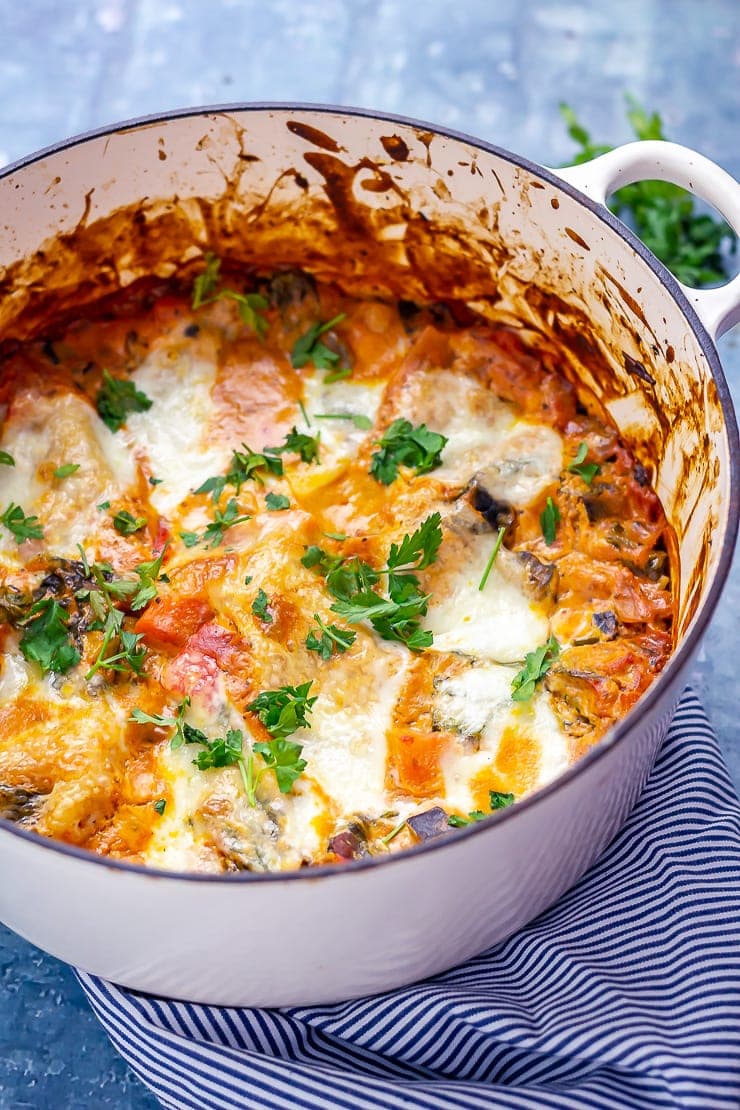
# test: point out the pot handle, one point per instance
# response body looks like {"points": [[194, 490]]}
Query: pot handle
{"points": [[718, 309]]}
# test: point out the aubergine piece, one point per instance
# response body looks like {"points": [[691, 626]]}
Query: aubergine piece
{"points": [[498, 514], [429, 824], [292, 288], [20, 805], [606, 623], [350, 843], [542, 578]]}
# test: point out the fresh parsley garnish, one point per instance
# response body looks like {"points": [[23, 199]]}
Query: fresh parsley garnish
{"points": [[549, 520], [46, 639], [284, 710], [155, 481], [6, 459], [260, 607], [160, 806], [250, 305], [127, 524], [310, 348], [22, 527], [284, 758], [276, 502], [663, 215], [331, 638], [403, 444], [536, 665], [214, 532], [148, 574], [131, 653], [177, 722], [117, 398], [305, 446], [190, 539], [497, 800], [65, 470], [364, 423], [244, 465], [587, 471], [491, 559]]}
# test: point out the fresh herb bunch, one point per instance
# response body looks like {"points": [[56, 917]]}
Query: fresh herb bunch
{"points": [[117, 398], [536, 665], [284, 710], [663, 215], [403, 444], [330, 638], [45, 638], [310, 347], [22, 527]]}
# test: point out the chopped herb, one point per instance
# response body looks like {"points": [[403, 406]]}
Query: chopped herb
{"points": [[127, 524], [131, 653], [310, 348], [247, 579], [190, 539], [221, 752], [249, 304], [205, 283], [260, 607], [419, 549], [6, 459], [117, 398], [148, 574], [305, 446], [536, 665], [276, 502], [338, 375], [284, 758], [364, 423], [587, 471], [492, 559], [160, 806], [65, 470], [155, 481], [496, 800], [663, 215], [46, 640], [403, 444], [22, 527], [340, 537], [393, 833], [284, 710], [549, 520], [177, 722], [222, 521], [304, 414], [244, 465], [103, 506], [332, 639]]}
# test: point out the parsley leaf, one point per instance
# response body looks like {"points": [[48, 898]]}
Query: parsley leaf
{"points": [[284, 710], [310, 348], [275, 502], [126, 524], [190, 539], [177, 722], [587, 471], [536, 665], [283, 757], [364, 423], [6, 459], [260, 607], [497, 800], [221, 523], [420, 548], [23, 527], [549, 520], [491, 559], [205, 283], [332, 639], [249, 304], [160, 805], [244, 465], [147, 573], [131, 653], [221, 752], [65, 470], [117, 398], [663, 215], [46, 640], [305, 446], [403, 444]]}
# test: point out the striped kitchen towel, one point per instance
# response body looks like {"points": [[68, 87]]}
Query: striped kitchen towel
{"points": [[626, 994]]}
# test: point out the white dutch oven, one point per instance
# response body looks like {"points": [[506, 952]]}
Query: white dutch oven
{"points": [[393, 206]]}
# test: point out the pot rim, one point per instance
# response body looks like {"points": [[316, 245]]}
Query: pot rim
{"points": [[665, 681]]}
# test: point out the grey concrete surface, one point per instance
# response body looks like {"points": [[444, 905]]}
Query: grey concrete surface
{"points": [[494, 68]]}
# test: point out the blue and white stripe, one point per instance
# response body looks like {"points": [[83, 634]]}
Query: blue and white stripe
{"points": [[626, 994]]}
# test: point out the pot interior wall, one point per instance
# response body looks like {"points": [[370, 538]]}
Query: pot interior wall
{"points": [[386, 208]]}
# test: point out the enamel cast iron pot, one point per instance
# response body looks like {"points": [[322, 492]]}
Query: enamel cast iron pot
{"points": [[391, 206]]}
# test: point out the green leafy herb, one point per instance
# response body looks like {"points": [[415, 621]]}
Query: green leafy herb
{"points": [[131, 653], [304, 414], [364, 423], [587, 471], [340, 537], [155, 481], [420, 549], [276, 502], [6, 459], [177, 722], [221, 523], [305, 446], [536, 665], [497, 800], [491, 559], [126, 524], [393, 833], [284, 758], [331, 638], [103, 506], [260, 607], [310, 348], [247, 579], [244, 465], [284, 710], [65, 470], [160, 806], [549, 520], [663, 215], [249, 304], [403, 444], [117, 398], [46, 639], [190, 539], [222, 752], [148, 574], [23, 527]]}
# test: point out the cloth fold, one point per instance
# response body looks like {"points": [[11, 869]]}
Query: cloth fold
{"points": [[625, 994]]}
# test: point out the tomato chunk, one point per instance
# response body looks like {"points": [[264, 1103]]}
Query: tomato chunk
{"points": [[170, 622]]}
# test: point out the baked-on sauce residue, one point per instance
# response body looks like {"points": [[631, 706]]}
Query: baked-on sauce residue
{"points": [[292, 577]]}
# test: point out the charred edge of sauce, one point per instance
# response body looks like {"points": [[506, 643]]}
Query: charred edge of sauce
{"points": [[636, 368]]}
